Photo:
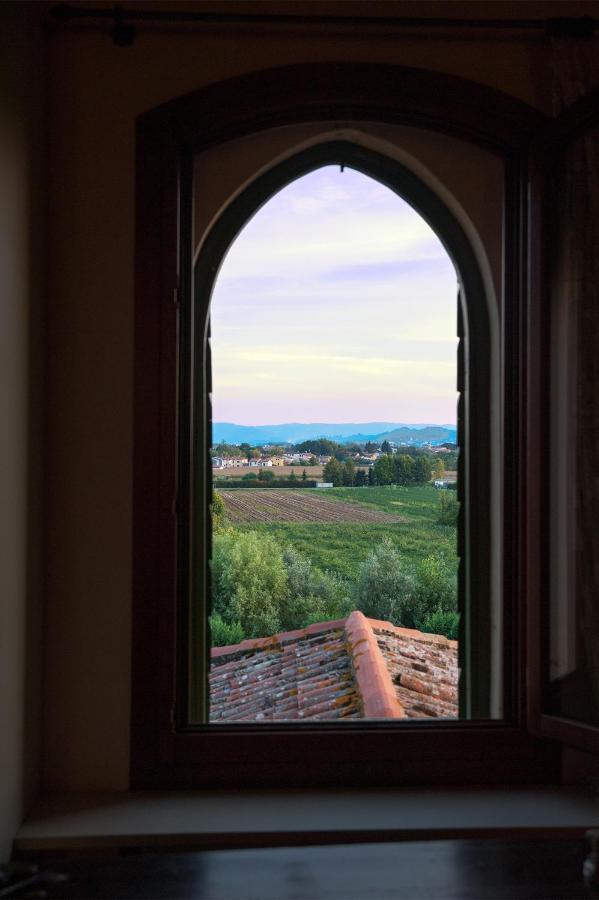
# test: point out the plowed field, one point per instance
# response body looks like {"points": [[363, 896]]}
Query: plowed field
{"points": [[244, 506]]}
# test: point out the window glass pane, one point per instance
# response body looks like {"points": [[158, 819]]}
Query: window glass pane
{"points": [[334, 457]]}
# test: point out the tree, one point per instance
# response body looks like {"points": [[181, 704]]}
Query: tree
{"points": [[225, 450], [276, 450], [333, 472], [386, 447], [451, 462], [448, 508], [361, 478], [293, 477], [422, 470], [312, 461], [218, 512], [321, 447], [403, 466], [371, 478], [383, 470], [349, 472], [438, 467], [304, 476], [353, 448], [245, 451]]}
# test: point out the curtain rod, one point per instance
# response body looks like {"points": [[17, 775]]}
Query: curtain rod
{"points": [[123, 31]]}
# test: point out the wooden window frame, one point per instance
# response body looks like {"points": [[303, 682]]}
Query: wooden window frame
{"points": [[165, 751], [545, 149]]}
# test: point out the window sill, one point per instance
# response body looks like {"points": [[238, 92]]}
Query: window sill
{"points": [[228, 819]]}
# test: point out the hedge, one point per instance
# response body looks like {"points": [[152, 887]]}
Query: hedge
{"points": [[256, 483]]}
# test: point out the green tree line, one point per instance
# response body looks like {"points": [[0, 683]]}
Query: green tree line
{"points": [[400, 469]]}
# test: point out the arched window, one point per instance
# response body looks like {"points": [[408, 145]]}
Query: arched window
{"points": [[475, 595], [501, 487]]}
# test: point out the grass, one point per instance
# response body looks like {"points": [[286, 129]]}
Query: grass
{"points": [[342, 547]]}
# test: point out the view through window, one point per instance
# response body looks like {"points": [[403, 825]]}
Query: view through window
{"points": [[334, 371]]}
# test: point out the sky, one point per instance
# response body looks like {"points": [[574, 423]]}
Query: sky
{"points": [[335, 303]]}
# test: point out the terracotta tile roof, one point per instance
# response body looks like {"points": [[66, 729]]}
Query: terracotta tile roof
{"points": [[345, 669]]}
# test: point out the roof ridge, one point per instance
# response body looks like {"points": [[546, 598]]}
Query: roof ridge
{"points": [[379, 699]]}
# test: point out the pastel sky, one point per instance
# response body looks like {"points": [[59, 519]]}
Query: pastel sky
{"points": [[335, 303]]}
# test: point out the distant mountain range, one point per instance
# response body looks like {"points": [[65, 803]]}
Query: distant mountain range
{"points": [[343, 432]]}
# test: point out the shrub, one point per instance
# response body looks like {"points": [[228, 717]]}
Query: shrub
{"points": [[218, 512], [384, 589], [448, 508], [249, 581], [312, 595], [436, 588], [224, 633], [440, 622], [387, 590]]}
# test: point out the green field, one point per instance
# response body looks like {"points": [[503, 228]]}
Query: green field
{"points": [[341, 547]]}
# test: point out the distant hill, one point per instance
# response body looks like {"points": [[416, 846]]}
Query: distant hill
{"points": [[428, 434], [343, 432]]}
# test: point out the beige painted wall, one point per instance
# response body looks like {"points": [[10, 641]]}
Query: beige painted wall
{"points": [[469, 180], [96, 92], [21, 322]]}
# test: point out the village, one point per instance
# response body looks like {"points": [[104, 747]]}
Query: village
{"points": [[261, 459], [265, 461]]}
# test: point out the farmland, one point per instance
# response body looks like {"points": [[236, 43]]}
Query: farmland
{"points": [[278, 471], [341, 543], [267, 506]]}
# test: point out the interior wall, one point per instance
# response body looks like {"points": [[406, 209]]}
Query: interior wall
{"points": [[467, 178], [96, 92], [21, 433]]}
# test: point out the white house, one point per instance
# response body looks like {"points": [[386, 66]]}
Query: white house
{"points": [[234, 462]]}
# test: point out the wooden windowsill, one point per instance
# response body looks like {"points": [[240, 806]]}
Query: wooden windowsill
{"points": [[228, 819]]}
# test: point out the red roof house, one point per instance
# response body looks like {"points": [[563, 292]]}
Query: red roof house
{"points": [[354, 668]]}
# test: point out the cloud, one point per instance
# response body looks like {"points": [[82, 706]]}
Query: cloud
{"points": [[336, 289]]}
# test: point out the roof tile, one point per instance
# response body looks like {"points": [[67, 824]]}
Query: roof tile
{"points": [[344, 669]]}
